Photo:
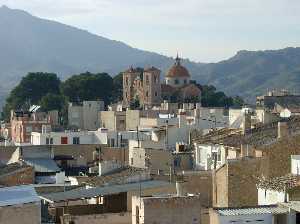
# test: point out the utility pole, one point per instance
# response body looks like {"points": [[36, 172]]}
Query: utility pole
{"points": [[167, 140]]}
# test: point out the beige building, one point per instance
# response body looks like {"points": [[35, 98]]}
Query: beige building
{"points": [[113, 120], [85, 115], [166, 209]]}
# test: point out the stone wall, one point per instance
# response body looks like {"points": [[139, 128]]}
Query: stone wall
{"points": [[165, 210], [199, 182], [242, 175], [107, 218], [25, 213], [235, 182], [220, 187]]}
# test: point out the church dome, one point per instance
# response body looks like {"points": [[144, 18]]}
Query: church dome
{"points": [[177, 70]]}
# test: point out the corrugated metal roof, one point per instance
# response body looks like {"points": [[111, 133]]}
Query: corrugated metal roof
{"points": [[43, 165], [18, 195], [273, 209], [107, 190]]}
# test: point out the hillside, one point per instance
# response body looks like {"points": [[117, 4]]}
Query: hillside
{"points": [[31, 44], [250, 73]]}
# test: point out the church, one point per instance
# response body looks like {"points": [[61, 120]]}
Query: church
{"points": [[146, 88]]}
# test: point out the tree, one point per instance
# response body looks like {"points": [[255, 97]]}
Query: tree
{"points": [[211, 98], [117, 93], [30, 91], [135, 104], [88, 86], [52, 102]]}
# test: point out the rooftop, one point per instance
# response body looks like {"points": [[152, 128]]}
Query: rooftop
{"points": [[177, 70], [82, 193], [279, 183], [118, 177], [18, 195], [43, 165], [259, 210], [259, 136], [10, 168]]}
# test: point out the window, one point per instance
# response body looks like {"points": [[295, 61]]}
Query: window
{"points": [[76, 141], [64, 140], [49, 141], [147, 94], [126, 80], [176, 81], [131, 161], [147, 79], [185, 81], [155, 93]]}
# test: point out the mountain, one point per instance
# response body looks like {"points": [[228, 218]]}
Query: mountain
{"points": [[31, 44], [251, 73]]}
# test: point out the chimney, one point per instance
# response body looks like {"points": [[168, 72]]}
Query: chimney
{"points": [[283, 129]]}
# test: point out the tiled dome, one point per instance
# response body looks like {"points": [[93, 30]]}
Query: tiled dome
{"points": [[177, 70]]}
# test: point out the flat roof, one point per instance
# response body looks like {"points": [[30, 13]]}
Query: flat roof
{"points": [[258, 210], [43, 165], [83, 193], [18, 195]]}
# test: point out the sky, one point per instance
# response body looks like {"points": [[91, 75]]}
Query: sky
{"points": [[201, 30]]}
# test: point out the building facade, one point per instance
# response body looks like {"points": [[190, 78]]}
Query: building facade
{"points": [[23, 123], [166, 209], [85, 115]]}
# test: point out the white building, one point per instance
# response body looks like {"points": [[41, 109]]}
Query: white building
{"points": [[209, 156], [295, 164], [85, 115], [69, 137]]}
